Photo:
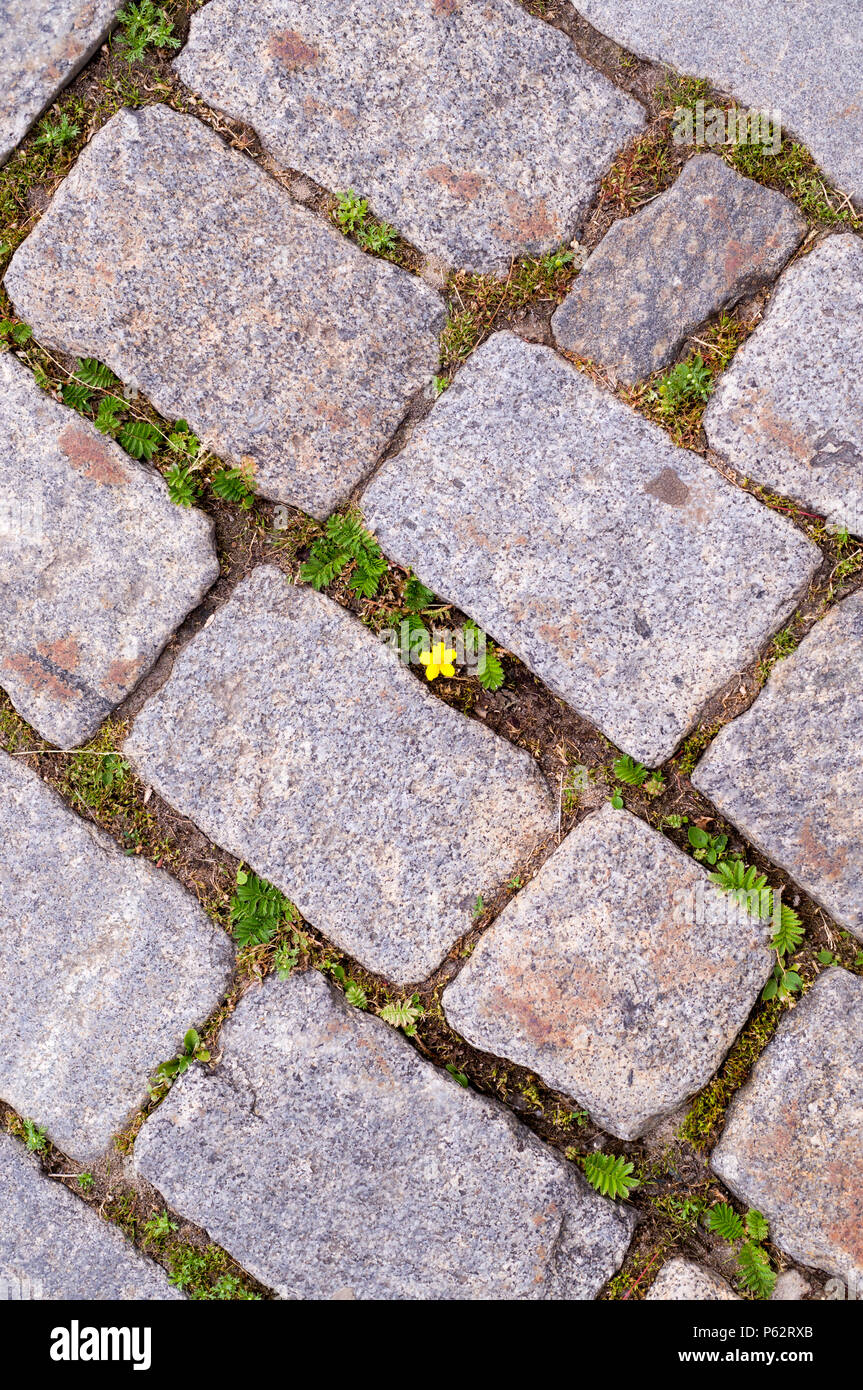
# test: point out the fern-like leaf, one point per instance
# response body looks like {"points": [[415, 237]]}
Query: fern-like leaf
{"points": [[183, 486], [789, 931], [724, 1221], [628, 771], [610, 1175], [234, 485], [756, 1225], [140, 439], [490, 671], [416, 596], [106, 416], [94, 373], [755, 1272], [257, 909], [76, 395]]}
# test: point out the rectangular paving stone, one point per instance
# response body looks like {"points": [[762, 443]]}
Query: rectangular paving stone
{"points": [[376, 1176], [43, 44], [197, 279], [98, 567], [792, 1146], [802, 59], [475, 128], [620, 974], [789, 772], [789, 410], [53, 1246], [685, 1281], [105, 962], [623, 571], [292, 737], [711, 238]]}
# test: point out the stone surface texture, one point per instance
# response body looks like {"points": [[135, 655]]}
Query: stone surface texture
{"points": [[475, 128], [197, 279], [291, 737], [53, 1246], [98, 567], [375, 1174], [791, 1287], [105, 961], [620, 974], [625, 572], [792, 1146], [801, 57], [789, 410], [789, 772], [713, 237], [685, 1281], [43, 44]]}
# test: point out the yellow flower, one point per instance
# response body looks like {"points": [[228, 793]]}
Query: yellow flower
{"points": [[438, 662]]}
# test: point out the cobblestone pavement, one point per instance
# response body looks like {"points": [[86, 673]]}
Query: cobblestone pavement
{"points": [[430, 765]]}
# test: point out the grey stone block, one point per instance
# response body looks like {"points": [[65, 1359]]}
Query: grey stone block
{"points": [[789, 772], [685, 1281], [43, 44], [105, 962], [475, 128], [624, 572], [98, 567], [794, 1134], [54, 1247], [196, 278], [620, 974], [800, 59], [656, 276], [333, 1162], [789, 410], [293, 738]]}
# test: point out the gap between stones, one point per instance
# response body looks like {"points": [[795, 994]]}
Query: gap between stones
{"points": [[523, 712]]}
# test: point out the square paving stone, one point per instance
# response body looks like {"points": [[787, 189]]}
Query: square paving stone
{"points": [[789, 772], [43, 44], [293, 738], [620, 974], [800, 59], [685, 1281], [53, 1246], [105, 962], [331, 1159], [475, 128], [792, 1146], [654, 277], [623, 571], [789, 410], [197, 279], [98, 567]]}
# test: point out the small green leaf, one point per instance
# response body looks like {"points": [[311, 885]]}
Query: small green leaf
{"points": [[756, 1225], [724, 1221]]}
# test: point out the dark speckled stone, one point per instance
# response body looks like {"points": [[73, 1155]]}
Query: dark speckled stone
{"points": [[334, 1162], [655, 277], [187, 269]]}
